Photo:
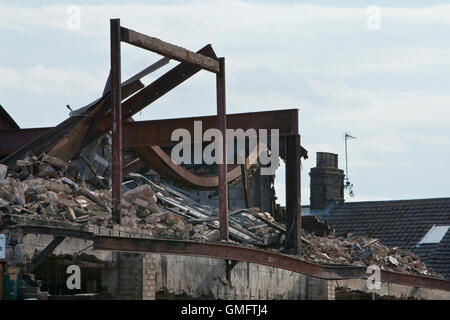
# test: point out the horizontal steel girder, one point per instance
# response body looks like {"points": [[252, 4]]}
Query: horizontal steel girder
{"points": [[277, 260], [158, 132]]}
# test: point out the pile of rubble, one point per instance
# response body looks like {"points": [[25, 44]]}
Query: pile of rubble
{"points": [[52, 189], [361, 251]]}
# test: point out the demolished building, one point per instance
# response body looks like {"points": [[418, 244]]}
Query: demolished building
{"points": [[137, 227]]}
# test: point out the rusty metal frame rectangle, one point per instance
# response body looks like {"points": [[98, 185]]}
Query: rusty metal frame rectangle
{"points": [[168, 50], [120, 34]]}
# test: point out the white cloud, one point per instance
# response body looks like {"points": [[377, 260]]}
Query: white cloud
{"points": [[40, 79], [9, 78]]}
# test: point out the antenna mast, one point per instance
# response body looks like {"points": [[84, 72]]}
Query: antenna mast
{"points": [[348, 185]]}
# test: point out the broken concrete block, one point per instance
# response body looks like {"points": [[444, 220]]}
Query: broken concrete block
{"points": [[71, 213], [3, 171], [47, 171], [143, 192], [211, 235], [125, 204], [162, 216], [140, 203], [52, 197], [6, 195], [24, 163], [180, 226], [142, 213], [154, 208], [152, 219], [82, 219], [54, 162], [56, 187], [49, 210], [66, 203], [70, 183]]}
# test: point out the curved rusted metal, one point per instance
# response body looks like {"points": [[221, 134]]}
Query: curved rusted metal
{"points": [[161, 162], [263, 257]]}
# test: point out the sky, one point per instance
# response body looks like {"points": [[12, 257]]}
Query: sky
{"points": [[379, 69]]}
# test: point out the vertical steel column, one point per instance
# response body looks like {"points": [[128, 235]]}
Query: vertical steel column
{"points": [[246, 184], [222, 119], [293, 205], [117, 122]]}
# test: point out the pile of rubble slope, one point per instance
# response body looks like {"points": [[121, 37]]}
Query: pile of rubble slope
{"points": [[51, 189], [361, 251]]}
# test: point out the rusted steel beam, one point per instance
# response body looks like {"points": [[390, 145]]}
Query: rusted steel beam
{"points": [[222, 125], [246, 184], [149, 94], [44, 253], [56, 232], [150, 69], [158, 132], [6, 121], [117, 122], [13, 139], [163, 85], [50, 138], [264, 257], [168, 50], [293, 187]]}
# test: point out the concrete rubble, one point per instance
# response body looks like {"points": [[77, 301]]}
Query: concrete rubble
{"points": [[51, 189], [362, 251]]}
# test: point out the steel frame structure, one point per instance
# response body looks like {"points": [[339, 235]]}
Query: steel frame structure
{"points": [[120, 34], [146, 137], [91, 122]]}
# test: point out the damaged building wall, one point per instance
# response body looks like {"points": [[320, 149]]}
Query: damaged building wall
{"points": [[157, 276], [175, 276], [199, 277], [160, 276], [150, 276], [391, 290]]}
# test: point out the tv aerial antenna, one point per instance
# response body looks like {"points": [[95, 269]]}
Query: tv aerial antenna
{"points": [[348, 185]]}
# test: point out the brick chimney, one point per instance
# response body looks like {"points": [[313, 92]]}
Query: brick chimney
{"points": [[327, 181]]}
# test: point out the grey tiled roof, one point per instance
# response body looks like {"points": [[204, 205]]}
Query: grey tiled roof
{"points": [[400, 223]]}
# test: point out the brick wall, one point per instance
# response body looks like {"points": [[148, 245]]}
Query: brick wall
{"points": [[130, 273], [331, 290], [137, 277], [148, 278]]}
